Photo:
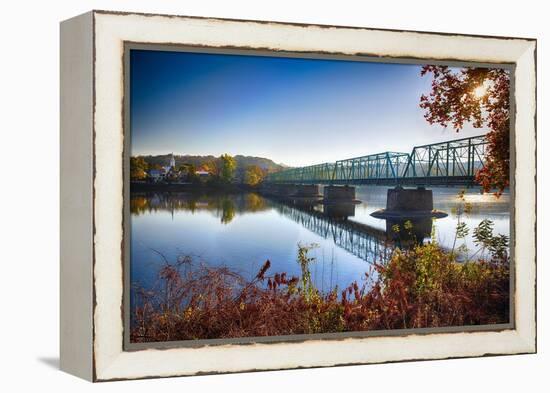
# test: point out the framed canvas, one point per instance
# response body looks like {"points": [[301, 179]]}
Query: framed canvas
{"points": [[246, 195]]}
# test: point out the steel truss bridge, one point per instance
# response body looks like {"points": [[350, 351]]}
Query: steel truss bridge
{"points": [[450, 163]]}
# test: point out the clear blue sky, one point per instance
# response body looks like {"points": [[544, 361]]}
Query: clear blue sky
{"points": [[293, 111]]}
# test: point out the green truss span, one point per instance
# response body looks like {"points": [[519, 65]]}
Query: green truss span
{"points": [[452, 162]]}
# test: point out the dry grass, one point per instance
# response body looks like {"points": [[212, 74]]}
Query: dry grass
{"points": [[420, 287]]}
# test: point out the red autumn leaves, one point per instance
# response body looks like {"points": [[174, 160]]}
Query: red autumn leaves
{"points": [[480, 97]]}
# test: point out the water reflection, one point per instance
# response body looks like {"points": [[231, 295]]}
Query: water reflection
{"points": [[365, 242], [224, 206], [334, 219], [479, 207], [340, 210], [242, 230], [406, 233], [330, 221]]}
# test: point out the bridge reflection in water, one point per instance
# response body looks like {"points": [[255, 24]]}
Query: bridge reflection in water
{"points": [[330, 221], [368, 243]]}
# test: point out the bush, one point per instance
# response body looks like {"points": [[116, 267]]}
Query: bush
{"points": [[420, 287]]}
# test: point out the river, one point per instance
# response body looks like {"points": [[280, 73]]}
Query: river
{"points": [[243, 230]]}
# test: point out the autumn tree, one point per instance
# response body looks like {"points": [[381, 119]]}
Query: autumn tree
{"points": [[253, 175], [189, 171], [211, 167], [138, 168], [155, 166], [480, 97]]}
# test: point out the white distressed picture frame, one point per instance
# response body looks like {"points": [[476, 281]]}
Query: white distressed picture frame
{"points": [[92, 151]]}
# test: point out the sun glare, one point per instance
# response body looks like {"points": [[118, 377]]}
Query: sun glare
{"points": [[483, 89], [480, 91]]}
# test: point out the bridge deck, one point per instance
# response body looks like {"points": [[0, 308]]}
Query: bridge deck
{"points": [[451, 163]]}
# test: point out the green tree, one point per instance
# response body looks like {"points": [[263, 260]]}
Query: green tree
{"points": [[228, 210], [227, 167], [183, 169], [253, 175], [138, 168], [189, 170]]}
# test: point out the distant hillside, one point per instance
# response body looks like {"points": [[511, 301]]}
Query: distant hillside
{"points": [[264, 163], [242, 161]]}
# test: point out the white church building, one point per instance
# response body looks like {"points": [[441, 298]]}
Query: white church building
{"points": [[160, 174]]}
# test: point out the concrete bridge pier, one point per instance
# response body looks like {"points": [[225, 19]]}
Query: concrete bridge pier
{"points": [[339, 201], [409, 200], [409, 203], [307, 190], [339, 194], [408, 215], [286, 190], [340, 210], [267, 188], [289, 190]]}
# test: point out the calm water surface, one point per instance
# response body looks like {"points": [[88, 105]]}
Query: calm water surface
{"points": [[242, 231]]}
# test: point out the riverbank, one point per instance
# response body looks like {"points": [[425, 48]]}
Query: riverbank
{"points": [[423, 287], [189, 187]]}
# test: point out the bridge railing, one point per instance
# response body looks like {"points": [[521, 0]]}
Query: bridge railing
{"points": [[321, 173], [388, 165], [443, 162], [457, 158]]}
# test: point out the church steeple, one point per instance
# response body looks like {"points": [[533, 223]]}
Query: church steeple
{"points": [[172, 161]]}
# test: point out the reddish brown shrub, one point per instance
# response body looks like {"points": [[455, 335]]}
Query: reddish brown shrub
{"points": [[417, 288]]}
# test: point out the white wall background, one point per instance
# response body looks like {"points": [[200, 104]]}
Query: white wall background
{"points": [[29, 204]]}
